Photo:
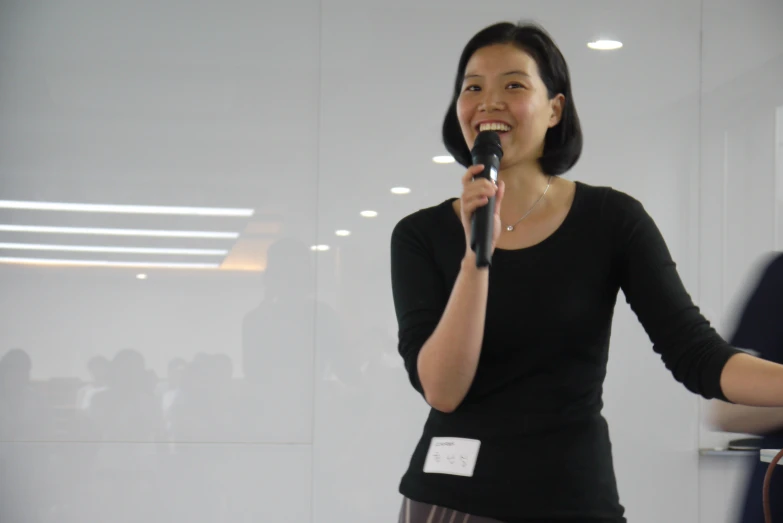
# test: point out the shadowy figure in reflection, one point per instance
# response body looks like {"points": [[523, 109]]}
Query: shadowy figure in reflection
{"points": [[127, 409], [98, 367], [127, 414], [23, 412], [24, 417], [170, 389], [204, 408], [280, 342]]}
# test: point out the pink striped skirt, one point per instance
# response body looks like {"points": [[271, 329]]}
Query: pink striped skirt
{"points": [[416, 512]]}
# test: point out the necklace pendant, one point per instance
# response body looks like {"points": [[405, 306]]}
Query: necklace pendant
{"points": [[510, 228]]}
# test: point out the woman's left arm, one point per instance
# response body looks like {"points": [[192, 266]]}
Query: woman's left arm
{"points": [[690, 347]]}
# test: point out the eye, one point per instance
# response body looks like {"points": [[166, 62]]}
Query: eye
{"points": [[515, 85], [472, 88]]}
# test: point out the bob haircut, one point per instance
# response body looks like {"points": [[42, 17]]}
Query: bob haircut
{"points": [[563, 142]]}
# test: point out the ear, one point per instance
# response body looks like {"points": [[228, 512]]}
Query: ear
{"points": [[556, 105]]}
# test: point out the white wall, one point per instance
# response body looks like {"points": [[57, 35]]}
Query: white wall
{"points": [[309, 112]]}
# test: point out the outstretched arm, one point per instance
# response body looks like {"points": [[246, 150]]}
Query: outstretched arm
{"points": [[748, 380], [691, 349], [728, 417]]}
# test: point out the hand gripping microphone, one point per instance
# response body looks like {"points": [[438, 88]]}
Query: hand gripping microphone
{"points": [[487, 151]]}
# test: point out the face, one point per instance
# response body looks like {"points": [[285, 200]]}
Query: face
{"points": [[502, 91]]}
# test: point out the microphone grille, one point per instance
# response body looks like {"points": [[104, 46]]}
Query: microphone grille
{"points": [[488, 142]]}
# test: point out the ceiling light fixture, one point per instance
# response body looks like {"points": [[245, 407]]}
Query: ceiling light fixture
{"points": [[342, 232], [443, 159], [605, 45], [400, 190], [369, 214], [320, 248]]}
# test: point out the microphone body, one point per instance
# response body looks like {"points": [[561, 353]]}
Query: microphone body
{"points": [[487, 151]]}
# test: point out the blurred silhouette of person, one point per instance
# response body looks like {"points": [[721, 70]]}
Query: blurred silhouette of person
{"points": [[127, 411], [279, 345], [22, 407], [278, 334], [98, 367], [204, 409], [127, 408], [24, 416], [171, 389], [760, 331]]}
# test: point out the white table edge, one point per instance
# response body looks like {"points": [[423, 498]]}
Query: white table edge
{"points": [[768, 454]]}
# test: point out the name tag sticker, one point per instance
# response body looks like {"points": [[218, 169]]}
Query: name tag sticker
{"points": [[455, 456]]}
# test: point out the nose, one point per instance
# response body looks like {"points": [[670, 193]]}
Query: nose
{"points": [[492, 101]]}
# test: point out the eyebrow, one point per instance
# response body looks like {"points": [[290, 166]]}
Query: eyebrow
{"points": [[509, 73]]}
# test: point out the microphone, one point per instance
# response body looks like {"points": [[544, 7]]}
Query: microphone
{"points": [[487, 151]]}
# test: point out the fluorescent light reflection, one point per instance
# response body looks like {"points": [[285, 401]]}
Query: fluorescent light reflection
{"points": [[124, 209], [109, 249], [118, 232], [106, 263]]}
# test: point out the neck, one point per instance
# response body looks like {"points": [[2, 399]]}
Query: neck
{"points": [[524, 183]]}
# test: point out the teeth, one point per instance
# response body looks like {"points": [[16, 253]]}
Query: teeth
{"points": [[494, 126]]}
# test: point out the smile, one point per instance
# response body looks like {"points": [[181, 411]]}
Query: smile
{"points": [[494, 126]]}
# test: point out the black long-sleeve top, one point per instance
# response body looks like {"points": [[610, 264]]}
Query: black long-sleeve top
{"points": [[536, 398]]}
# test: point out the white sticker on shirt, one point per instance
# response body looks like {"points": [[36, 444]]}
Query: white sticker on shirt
{"points": [[455, 456]]}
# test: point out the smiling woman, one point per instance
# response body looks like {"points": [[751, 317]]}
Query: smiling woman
{"points": [[499, 69], [513, 365]]}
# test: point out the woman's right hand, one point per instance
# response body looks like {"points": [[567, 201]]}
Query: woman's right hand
{"points": [[476, 193]]}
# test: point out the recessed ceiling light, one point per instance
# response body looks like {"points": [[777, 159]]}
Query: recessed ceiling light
{"points": [[320, 248], [124, 209], [342, 232], [119, 232], [443, 159], [111, 249], [400, 190], [605, 45], [106, 263], [369, 214], [141, 276]]}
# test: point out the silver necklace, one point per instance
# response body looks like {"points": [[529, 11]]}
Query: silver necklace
{"points": [[511, 227]]}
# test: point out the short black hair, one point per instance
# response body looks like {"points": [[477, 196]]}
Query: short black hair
{"points": [[563, 142]]}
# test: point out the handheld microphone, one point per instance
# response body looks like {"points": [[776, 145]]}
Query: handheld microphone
{"points": [[487, 151]]}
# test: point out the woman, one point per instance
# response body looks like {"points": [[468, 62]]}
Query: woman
{"points": [[512, 358]]}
